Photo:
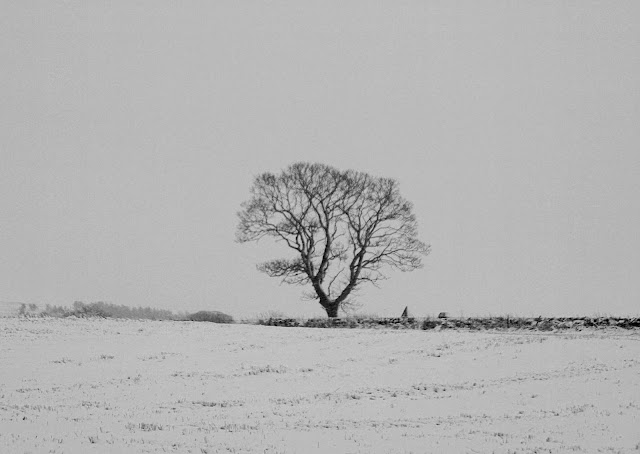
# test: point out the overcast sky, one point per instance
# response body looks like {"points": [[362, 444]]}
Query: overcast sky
{"points": [[130, 132]]}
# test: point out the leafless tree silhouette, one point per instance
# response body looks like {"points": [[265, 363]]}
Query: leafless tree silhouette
{"points": [[344, 226]]}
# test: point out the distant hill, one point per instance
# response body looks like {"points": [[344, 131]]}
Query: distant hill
{"points": [[9, 309]]}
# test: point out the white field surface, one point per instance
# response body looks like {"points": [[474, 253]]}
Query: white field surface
{"points": [[111, 386]]}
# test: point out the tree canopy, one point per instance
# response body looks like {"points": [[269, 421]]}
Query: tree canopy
{"points": [[344, 228]]}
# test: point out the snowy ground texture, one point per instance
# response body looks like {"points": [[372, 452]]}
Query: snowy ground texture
{"points": [[117, 386]]}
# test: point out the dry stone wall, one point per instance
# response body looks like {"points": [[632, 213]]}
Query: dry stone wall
{"points": [[490, 323]]}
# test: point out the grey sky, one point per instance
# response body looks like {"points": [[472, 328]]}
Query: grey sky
{"points": [[130, 133]]}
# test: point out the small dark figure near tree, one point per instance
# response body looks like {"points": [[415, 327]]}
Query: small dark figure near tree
{"points": [[345, 227]]}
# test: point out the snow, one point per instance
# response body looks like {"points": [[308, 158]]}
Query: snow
{"points": [[94, 385]]}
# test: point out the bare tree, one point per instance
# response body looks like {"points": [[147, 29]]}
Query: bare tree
{"points": [[344, 226]]}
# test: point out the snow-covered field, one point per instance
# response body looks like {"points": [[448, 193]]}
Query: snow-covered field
{"points": [[77, 385]]}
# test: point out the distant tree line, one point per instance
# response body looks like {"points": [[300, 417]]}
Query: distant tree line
{"points": [[27, 309], [110, 310]]}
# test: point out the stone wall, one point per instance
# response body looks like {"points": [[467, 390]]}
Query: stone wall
{"points": [[493, 323]]}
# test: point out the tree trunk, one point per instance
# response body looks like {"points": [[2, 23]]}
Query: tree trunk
{"points": [[332, 310], [330, 306]]}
